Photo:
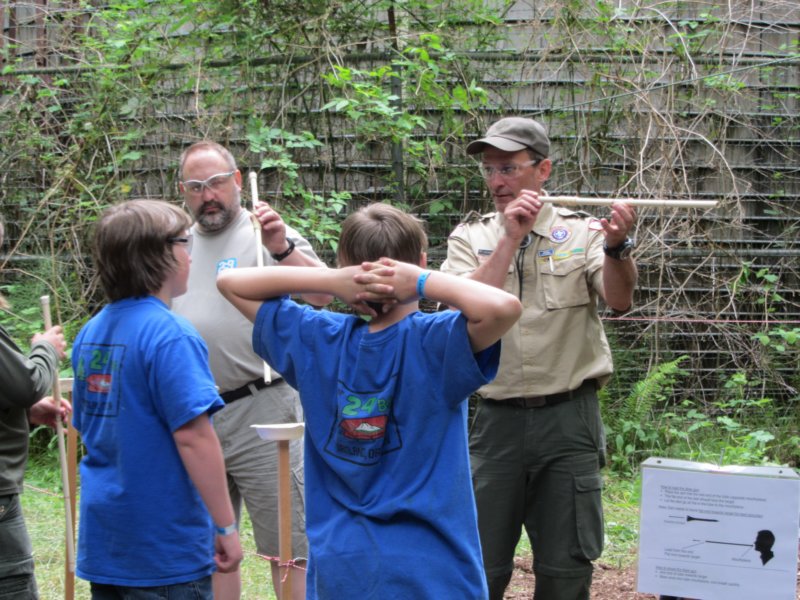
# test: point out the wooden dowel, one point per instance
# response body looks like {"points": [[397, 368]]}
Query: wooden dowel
{"points": [[583, 201], [253, 178], [285, 519], [62, 451], [72, 474]]}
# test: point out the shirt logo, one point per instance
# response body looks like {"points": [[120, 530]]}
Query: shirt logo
{"points": [[366, 428], [225, 264], [559, 235]]}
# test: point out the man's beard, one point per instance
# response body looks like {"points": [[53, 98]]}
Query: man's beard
{"points": [[215, 221]]}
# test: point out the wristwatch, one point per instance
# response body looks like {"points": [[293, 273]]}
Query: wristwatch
{"points": [[621, 252], [285, 253]]}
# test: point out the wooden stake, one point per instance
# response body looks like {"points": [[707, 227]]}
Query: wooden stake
{"points": [[283, 433], [72, 472], [62, 452]]}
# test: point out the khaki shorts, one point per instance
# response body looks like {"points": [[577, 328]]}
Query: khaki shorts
{"points": [[252, 464]]}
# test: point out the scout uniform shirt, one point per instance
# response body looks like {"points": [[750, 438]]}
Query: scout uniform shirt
{"points": [[558, 341]]}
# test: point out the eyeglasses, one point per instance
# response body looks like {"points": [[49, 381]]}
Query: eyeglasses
{"points": [[182, 240], [509, 171], [215, 182]]}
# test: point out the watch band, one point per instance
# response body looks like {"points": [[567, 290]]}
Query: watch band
{"points": [[621, 252], [285, 253], [226, 530]]}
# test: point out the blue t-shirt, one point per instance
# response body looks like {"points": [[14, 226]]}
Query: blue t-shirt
{"points": [[141, 372], [390, 511]]}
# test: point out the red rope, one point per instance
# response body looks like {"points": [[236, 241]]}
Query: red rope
{"points": [[291, 564]]}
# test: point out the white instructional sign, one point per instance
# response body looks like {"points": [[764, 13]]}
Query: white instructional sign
{"points": [[712, 532]]}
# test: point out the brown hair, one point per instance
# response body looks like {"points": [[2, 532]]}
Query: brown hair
{"points": [[206, 145], [381, 230], [131, 249]]}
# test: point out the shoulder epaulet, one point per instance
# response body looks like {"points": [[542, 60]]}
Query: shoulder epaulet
{"points": [[474, 216], [573, 214]]}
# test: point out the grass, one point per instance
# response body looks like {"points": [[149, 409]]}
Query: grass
{"points": [[44, 514], [43, 506]]}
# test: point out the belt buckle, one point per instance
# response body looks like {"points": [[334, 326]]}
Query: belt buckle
{"points": [[535, 401]]}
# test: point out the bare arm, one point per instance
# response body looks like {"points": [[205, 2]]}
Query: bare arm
{"points": [[273, 237], [619, 281], [201, 454], [247, 288], [619, 276]]}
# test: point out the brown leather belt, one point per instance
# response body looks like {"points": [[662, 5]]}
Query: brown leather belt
{"points": [[241, 392], [549, 400]]}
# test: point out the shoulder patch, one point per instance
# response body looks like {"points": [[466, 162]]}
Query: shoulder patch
{"points": [[572, 214], [474, 216]]}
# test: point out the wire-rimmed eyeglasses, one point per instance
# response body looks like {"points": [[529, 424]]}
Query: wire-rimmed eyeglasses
{"points": [[195, 186], [187, 240], [510, 170]]}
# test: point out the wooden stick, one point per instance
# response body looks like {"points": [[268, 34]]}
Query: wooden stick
{"points": [[579, 200], [285, 519], [253, 178], [62, 452], [283, 433], [72, 473]]}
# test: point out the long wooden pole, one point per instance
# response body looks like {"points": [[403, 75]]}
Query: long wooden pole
{"points": [[253, 178], [583, 201], [62, 452], [285, 519], [283, 433], [72, 472]]}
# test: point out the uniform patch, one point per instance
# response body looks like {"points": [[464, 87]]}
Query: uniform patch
{"points": [[484, 252], [366, 428], [550, 255], [559, 235], [595, 225], [225, 264]]}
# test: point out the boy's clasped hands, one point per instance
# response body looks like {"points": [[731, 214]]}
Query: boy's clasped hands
{"points": [[387, 282]]}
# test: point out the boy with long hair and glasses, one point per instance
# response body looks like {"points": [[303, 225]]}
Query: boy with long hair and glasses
{"points": [[155, 515]]}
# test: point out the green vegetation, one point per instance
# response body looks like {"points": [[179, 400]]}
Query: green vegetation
{"points": [[334, 105]]}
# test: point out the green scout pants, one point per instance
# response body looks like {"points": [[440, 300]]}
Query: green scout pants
{"points": [[539, 468]]}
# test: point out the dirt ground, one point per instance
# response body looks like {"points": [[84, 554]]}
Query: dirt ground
{"points": [[608, 583]]}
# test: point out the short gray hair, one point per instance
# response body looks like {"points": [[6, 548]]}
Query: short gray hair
{"points": [[206, 145]]}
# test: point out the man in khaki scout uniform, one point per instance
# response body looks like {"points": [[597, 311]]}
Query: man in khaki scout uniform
{"points": [[537, 443]]}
